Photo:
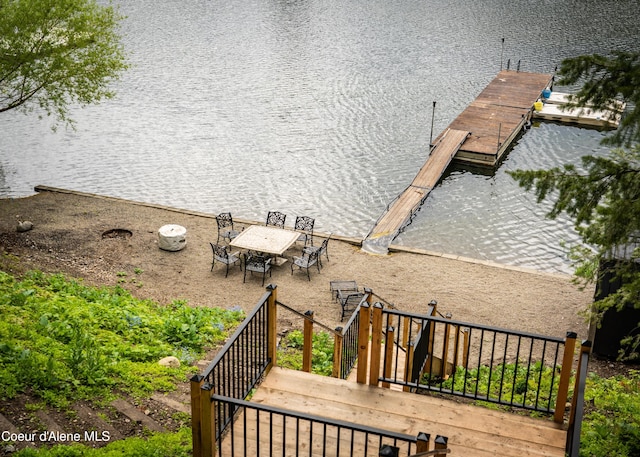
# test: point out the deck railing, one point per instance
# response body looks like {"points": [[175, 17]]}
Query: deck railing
{"points": [[235, 371], [295, 434], [577, 405], [479, 362]]}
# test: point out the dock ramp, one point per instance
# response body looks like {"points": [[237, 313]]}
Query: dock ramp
{"points": [[400, 211]]}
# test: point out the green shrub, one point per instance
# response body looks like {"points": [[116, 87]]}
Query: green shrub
{"points": [[290, 352], [67, 341], [611, 423]]}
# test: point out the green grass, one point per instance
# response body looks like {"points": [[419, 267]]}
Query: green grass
{"points": [[65, 341]]}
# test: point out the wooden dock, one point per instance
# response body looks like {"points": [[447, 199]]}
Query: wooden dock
{"points": [[480, 135], [401, 210], [498, 115], [472, 431]]}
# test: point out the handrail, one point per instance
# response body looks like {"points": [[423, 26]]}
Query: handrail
{"points": [[577, 405], [396, 438], [309, 318], [447, 372]]}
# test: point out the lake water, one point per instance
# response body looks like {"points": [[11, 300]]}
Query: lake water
{"points": [[323, 108]]}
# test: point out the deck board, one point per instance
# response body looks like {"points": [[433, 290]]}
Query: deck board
{"points": [[472, 431]]}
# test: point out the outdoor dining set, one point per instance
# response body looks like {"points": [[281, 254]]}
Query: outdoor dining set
{"points": [[260, 248]]}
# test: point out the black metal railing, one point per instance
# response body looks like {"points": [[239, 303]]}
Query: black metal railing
{"points": [[240, 363], [265, 430], [349, 354], [486, 363]]}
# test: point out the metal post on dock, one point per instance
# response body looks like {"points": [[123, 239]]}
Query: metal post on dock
{"points": [[433, 112], [501, 53]]}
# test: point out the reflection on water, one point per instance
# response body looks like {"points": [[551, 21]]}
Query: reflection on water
{"points": [[322, 108]]}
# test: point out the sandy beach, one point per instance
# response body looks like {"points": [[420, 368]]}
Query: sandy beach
{"points": [[68, 237]]}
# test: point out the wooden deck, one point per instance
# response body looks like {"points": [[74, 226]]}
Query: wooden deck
{"points": [[471, 431], [498, 115], [399, 213]]}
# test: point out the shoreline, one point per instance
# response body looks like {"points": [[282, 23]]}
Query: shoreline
{"points": [[346, 239], [68, 238]]}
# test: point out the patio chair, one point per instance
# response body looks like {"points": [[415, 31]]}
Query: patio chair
{"points": [[276, 219], [257, 263], [304, 225], [221, 255], [226, 230], [306, 261], [349, 302], [344, 287], [322, 249]]}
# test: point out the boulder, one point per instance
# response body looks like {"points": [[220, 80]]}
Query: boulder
{"points": [[170, 361], [24, 226]]}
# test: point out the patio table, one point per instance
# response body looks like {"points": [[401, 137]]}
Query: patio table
{"points": [[261, 238]]}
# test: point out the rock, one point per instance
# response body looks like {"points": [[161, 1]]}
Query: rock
{"points": [[24, 226], [172, 237], [170, 361]]}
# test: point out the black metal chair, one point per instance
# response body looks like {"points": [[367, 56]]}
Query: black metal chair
{"points": [[322, 249], [304, 225], [276, 219], [226, 230], [257, 263], [221, 255], [307, 260], [349, 302]]}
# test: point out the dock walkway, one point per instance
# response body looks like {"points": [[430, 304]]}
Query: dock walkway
{"points": [[401, 210], [481, 134]]}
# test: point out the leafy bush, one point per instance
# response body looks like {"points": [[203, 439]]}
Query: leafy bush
{"points": [[290, 352], [611, 423], [66, 341]]}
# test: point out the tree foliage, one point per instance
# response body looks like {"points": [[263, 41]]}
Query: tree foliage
{"points": [[55, 53], [603, 197]]}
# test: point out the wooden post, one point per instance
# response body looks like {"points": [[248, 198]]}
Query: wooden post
{"points": [[272, 326], [363, 343], [406, 322], [445, 348], [376, 345], [465, 348], [441, 444], [408, 366], [208, 423], [369, 294], [196, 415], [338, 339], [456, 346], [584, 348], [422, 442], [565, 374], [388, 357], [307, 345]]}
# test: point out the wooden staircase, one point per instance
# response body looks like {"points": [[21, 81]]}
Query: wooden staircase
{"points": [[472, 431]]}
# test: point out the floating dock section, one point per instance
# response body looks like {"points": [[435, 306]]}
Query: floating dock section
{"points": [[498, 115], [480, 135]]}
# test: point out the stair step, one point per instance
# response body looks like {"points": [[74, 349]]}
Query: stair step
{"points": [[136, 415]]}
